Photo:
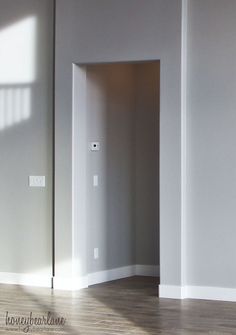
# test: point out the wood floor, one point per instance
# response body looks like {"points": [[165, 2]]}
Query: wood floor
{"points": [[128, 306]]}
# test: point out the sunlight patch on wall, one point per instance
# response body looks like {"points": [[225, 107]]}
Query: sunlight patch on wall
{"points": [[17, 71], [17, 57], [15, 106]]}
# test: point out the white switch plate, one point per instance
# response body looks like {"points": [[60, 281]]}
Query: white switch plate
{"points": [[96, 253], [95, 146], [37, 181], [95, 180]]}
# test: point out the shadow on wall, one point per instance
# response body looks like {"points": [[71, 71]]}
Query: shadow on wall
{"points": [[18, 71], [123, 115]]}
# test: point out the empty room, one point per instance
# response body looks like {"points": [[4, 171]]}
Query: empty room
{"points": [[118, 166]]}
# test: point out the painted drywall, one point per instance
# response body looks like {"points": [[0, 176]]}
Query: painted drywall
{"points": [[147, 91], [122, 211], [25, 136], [109, 31], [110, 120], [211, 124]]}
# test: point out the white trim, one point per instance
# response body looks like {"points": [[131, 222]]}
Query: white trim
{"points": [[25, 279], [70, 283], [211, 293], [77, 283], [171, 292], [79, 172], [113, 274], [183, 139], [123, 272], [197, 292]]}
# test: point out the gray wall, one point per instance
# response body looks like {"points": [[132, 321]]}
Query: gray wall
{"points": [[25, 136], [211, 143], [110, 120], [92, 31], [122, 114], [147, 79]]}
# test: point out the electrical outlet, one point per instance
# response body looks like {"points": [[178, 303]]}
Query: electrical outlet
{"points": [[37, 181], [96, 253]]}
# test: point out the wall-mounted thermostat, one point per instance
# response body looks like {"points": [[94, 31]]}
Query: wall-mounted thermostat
{"points": [[95, 146]]}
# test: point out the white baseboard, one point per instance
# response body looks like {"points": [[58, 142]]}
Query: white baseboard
{"points": [[77, 283], [70, 283], [108, 275], [171, 292], [123, 272], [197, 292], [25, 279], [210, 293]]}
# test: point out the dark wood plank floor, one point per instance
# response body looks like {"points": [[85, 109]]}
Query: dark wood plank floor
{"points": [[128, 306]]}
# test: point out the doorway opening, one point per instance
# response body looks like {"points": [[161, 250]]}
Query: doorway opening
{"points": [[117, 170]]}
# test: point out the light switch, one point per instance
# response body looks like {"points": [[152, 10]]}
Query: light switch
{"points": [[95, 253], [37, 181], [95, 180]]}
